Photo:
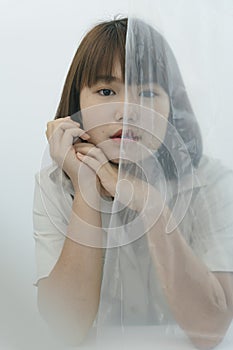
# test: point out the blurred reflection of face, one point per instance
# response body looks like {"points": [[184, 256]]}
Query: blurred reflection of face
{"points": [[103, 108]]}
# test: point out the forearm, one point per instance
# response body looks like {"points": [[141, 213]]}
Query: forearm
{"points": [[195, 296], [69, 297]]}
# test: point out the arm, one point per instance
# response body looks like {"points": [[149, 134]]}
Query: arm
{"points": [[201, 301], [68, 299]]}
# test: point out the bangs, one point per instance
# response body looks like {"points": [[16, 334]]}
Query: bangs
{"points": [[107, 45], [146, 70], [146, 60]]}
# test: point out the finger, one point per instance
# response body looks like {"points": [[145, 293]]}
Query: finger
{"points": [[57, 128], [98, 166], [91, 162], [93, 152], [70, 134], [60, 125], [65, 132], [65, 119], [54, 123], [63, 125], [61, 141], [83, 147]]}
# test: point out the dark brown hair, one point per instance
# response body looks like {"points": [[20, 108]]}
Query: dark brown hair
{"points": [[96, 56]]}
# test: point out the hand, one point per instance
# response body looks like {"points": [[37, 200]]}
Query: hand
{"points": [[108, 176], [60, 134], [140, 192], [94, 158]]}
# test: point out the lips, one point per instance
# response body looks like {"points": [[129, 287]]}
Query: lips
{"points": [[118, 134], [128, 135]]}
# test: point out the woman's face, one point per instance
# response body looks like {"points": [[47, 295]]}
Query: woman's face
{"points": [[103, 107]]}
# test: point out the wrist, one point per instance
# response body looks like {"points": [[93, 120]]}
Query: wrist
{"points": [[81, 185], [88, 190], [130, 195]]}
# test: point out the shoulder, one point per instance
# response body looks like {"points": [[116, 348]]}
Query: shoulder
{"points": [[214, 201], [53, 179], [210, 171], [211, 175], [53, 189], [47, 175], [51, 195], [215, 177]]}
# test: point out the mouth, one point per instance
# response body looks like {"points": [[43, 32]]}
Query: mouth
{"points": [[129, 135], [117, 134]]}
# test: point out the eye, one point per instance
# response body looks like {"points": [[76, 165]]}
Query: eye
{"points": [[106, 92], [148, 94]]}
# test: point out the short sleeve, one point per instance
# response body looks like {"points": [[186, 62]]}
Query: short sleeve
{"points": [[52, 209], [50, 224], [212, 225]]}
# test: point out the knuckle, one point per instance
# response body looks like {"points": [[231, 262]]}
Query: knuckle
{"points": [[49, 128], [61, 125]]}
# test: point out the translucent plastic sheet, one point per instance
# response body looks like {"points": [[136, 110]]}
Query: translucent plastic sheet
{"points": [[168, 233], [189, 193]]}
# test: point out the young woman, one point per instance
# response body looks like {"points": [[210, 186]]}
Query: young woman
{"points": [[121, 110]]}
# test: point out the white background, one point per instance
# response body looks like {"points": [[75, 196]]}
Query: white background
{"points": [[38, 40]]}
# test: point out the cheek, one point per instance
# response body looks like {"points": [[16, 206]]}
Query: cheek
{"points": [[97, 135], [95, 117], [163, 107], [154, 136]]}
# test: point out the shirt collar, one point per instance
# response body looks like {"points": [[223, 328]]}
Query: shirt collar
{"points": [[57, 175]]}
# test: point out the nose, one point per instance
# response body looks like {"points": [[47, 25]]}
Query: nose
{"points": [[125, 111], [119, 113], [131, 111]]}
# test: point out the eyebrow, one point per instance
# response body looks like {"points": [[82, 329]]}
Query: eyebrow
{"points": [[108, 78]]}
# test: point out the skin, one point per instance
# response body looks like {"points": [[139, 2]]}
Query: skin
{"points": [[103, 107], [208, 296]]}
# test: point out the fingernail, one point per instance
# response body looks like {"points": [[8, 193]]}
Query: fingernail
{"points": [[85, 136], [80, 155]]}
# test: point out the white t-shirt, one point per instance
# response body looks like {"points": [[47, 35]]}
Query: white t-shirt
{"points": [[207, 225]]}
